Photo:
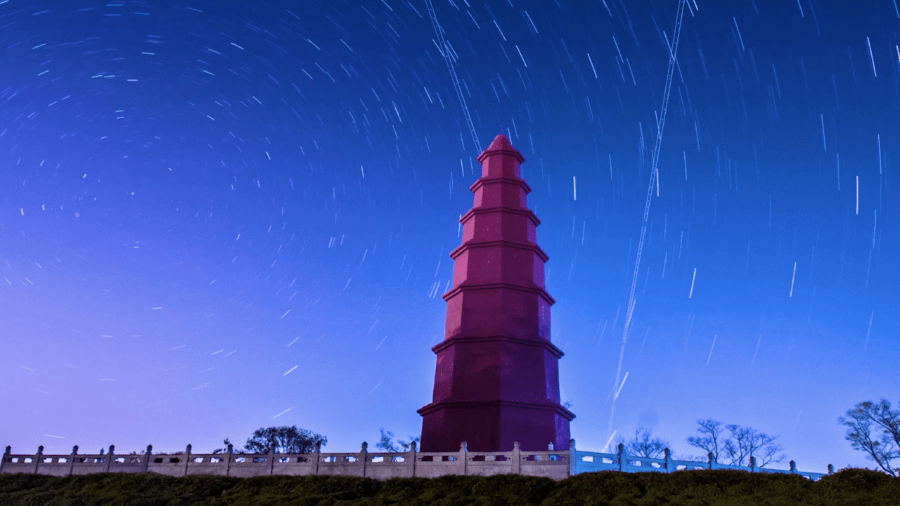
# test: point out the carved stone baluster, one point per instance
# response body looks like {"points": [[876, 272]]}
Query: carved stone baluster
{"points": [[38, 457], [364, 457], [5, 457], [317, 455], [516, 458], [72, 460], [145, 465], [109, 458], [573, 458], [228, 462], [464, 458], [187, 459]]}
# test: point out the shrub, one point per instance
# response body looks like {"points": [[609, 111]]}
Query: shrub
{"points": [[607, 488]]}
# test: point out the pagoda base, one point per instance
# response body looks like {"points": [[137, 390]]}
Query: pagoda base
{"points": [[490, 426]]}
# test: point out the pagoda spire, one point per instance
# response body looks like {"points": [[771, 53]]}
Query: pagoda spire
{"points": [[496, 378]]}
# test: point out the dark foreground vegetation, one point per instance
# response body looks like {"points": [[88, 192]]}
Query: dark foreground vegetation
{"points": [[847, 487]]}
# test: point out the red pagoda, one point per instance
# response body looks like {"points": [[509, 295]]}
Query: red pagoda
{"points": [[497, 376]]}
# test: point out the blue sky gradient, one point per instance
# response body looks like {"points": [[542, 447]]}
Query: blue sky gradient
{"points": [[197, 198]]}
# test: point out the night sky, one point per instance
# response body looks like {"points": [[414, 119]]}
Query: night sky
{"points": [[216, 217]]}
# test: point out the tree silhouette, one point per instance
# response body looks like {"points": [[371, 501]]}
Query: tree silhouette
{"points": [[386, 443], [643, 445], [742, 443], [867, 418], [710, 439], [284, 439]]}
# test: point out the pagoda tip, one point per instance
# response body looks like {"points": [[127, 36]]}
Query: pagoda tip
{"points": [[500, 142]]}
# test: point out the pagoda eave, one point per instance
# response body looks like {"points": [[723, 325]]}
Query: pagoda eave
{"points": [[491, 286], [490, 210], [481, 182], [486, 244], [547, 345], [492, 151], [555, 408]]}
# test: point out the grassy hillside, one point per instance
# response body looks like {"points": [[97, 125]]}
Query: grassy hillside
{"points": [[732, 488]]}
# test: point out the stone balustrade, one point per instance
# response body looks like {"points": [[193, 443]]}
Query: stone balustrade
{"points": [[557, 465], [585, 462]]}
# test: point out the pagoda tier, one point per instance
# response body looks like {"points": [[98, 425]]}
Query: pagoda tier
{"points": [[497, 380]]}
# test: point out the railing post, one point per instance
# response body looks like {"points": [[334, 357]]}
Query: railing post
{"points": [[109, 458], [710, 461], [270, 459], [228, 463], [5, 456], [793, 467], [412, 458], [72, 460], [668, 456], [463, 457], [621, 452], [364, 456], [318, 457], [752, 464], [38, 457], [830, 467], [145, 465], [187, 459], [573, 455], [516, 458]]}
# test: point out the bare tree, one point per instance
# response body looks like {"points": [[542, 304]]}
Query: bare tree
{"points": [[710, 438], [644, 445], [746, 442], [386, 443], [742, 443], [867, 418], [770, 454]]}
